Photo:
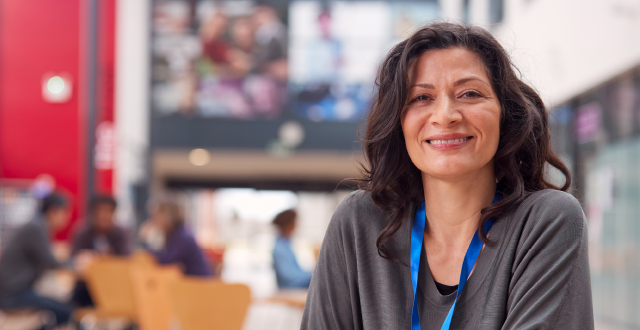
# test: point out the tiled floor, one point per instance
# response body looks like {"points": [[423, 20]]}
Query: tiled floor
{"points": [[270, 316], [608, 326]]}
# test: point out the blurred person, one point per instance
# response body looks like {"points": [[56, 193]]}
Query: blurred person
{"points": [[242, 34], [166, 228], [239, 56], [266, 83], [326, 59], [458, 148], [269, 48], [326, 53], [288, 272], [100, 235], [214, 46], [28, 255]]}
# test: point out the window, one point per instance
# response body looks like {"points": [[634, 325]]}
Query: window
{"points": [[465, 12], [496, 11]]}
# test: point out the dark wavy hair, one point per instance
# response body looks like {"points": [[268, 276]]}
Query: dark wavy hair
{"points": [[523, 152]]}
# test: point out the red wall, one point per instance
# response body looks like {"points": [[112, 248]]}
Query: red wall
{"points": [[39, 36]]}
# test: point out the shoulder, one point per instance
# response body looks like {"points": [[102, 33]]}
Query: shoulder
{"points": [[82, 238], [281, 246], [118, 232], [357, 222], [34, 227], [187, 238], [82, 233], [554, 198], [32, 233], [551, 211], [550, 203], [356, 204], [358, 212]]}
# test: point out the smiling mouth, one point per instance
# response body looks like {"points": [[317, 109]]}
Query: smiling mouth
{"points": [[435, 142]]}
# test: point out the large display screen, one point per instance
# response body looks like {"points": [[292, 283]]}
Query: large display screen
{"points": [[335, 49], [263, 60]]}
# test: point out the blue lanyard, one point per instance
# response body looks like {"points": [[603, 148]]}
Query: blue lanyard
{"points": [[417, 235]]}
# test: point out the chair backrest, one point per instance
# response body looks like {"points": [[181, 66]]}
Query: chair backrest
{"points": [[209, 304], [151, 296], [109, 281], [143, 259]]}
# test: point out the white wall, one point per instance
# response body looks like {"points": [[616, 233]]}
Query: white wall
{"points": [[131, 100], [565, 47]]}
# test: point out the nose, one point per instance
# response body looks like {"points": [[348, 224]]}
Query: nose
{"points": [[445, 113]]}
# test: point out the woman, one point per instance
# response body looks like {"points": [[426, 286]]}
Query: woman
{"points": [[456, 225], [179, 246]]}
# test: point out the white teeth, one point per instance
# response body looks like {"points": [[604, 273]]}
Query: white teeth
{"points": [[449, 141]]}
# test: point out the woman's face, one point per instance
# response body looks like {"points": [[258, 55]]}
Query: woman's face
{"points": [[451, 119], [160, 220]]}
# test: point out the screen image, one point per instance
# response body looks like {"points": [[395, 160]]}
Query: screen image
{"points": [[261, 60], [219, 59], [336, 48]]}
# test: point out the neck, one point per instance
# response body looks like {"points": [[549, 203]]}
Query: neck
{"points": [[453, 207]]}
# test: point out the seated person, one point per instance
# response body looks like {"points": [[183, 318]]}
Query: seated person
{"points": [[100, 233], [28, 254], [101, 236], [288, 272], [180, 247]]}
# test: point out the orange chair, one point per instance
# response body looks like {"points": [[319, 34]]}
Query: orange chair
{"points": [[109, 281], [203, 304], [151, 296], [144, 259]]}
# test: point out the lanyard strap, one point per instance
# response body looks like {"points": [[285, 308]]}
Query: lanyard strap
{"points": [[470, 258]]}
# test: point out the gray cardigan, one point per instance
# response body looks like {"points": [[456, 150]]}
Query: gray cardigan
{"points": [[535, 277]]}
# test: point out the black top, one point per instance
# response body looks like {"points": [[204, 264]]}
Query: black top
{"points": [[446, 290]]}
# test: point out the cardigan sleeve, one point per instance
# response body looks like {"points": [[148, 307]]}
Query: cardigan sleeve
{"points": [[332, 302], [550, 286]]}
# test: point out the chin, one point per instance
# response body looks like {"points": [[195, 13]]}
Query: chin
{"points": [[446, 174], [449, 170]]}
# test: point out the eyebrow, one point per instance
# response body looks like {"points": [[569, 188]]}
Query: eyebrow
{"points": [[466, 80], [455, 84]]}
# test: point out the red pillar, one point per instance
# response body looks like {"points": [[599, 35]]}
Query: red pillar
{"points": [[36, 137]]}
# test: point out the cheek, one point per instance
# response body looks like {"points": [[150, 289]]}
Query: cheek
{"points": [[488, 123], [411, 126]]}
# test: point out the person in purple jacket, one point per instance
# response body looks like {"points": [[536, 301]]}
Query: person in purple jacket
{"points": [[180, 247]]}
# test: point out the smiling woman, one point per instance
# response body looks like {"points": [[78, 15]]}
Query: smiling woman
{"points": [[454, 200]]}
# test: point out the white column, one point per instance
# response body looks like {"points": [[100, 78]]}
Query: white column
{"points": [[451, 10], [131, 101]]}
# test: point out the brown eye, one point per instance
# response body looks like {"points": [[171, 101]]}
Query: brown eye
{"points": [[471, 94], [421, 98]]}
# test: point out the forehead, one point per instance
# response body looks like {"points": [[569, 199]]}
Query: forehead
{"points": [[445, 65]]}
